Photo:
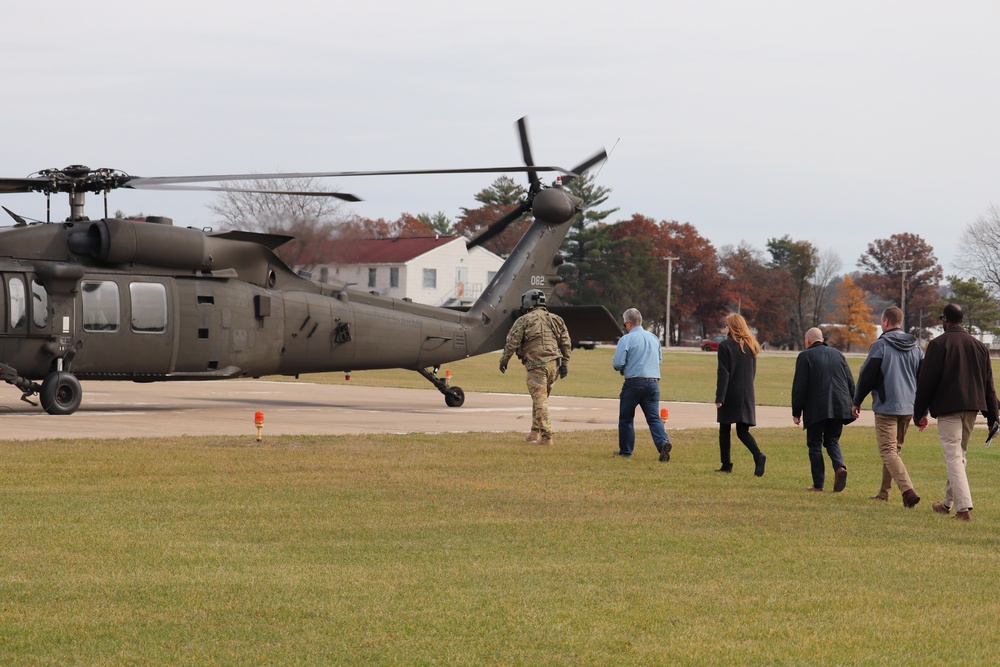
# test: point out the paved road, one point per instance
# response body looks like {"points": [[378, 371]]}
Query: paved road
{"points": [[126, 409]]}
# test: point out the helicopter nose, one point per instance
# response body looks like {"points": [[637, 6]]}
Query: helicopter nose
{"points": [[554, 206]]}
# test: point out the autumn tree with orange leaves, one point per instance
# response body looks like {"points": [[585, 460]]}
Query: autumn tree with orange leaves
{"points": [[856, 322]]}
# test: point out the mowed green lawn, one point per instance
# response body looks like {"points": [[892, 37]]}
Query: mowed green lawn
{"points": [[479, 549], [688, 375]]}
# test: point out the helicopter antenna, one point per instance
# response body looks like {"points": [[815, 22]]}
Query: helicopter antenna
{"points": [[607, 158], [18, 219]]}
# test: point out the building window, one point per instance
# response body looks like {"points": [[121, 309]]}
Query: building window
{"points": [[372, 274], [101, 311], [394, 276], [149, 307], [431, 278]]}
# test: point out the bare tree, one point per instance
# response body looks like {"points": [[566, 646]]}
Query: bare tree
{"points": [[979, 254], [311, 218], [827, 271]]}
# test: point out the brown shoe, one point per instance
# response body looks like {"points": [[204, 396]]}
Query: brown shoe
{"points": [[534, 436], [840, 480], [910, 498], [884, 499], [545, 441], [962, 516], [813, 488], [940, 508]]}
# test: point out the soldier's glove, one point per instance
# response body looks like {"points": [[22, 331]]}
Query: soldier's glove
{"points": [[563, 371], [503, 367]]}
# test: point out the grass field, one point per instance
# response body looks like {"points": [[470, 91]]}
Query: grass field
{"points": [[688, 375], [478, 549]]}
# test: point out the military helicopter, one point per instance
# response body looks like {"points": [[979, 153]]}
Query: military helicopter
{"points": [[147, 301]]}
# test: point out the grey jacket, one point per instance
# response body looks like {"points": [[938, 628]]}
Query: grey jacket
{"points": [[890, 373]]}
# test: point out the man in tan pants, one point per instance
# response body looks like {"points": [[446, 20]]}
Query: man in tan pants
{"points": [[955, 385], [890, 375]]}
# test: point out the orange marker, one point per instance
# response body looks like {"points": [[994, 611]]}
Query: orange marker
{"points": [[447, 378], [258, 420], [664, 414]]}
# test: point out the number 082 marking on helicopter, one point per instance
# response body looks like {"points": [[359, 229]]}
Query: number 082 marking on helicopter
{"points": [[146, 301]]}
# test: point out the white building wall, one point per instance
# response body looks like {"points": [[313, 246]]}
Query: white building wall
{"points": [[479, 265]]}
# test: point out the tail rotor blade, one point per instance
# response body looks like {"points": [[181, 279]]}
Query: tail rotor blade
{"points": [[496, 228], [592, 161], [522, 128]]}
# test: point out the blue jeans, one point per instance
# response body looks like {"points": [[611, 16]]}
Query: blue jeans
{"points": [[646, 394], [822, 434]]}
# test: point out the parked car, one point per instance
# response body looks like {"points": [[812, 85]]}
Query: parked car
{"points": [[712, 344]]}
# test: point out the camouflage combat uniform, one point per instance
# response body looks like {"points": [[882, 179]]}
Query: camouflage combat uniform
{"points": [[541, 341]]}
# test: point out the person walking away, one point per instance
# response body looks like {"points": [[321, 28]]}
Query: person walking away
{"points": [[822, 397], [638, 357], [542, 343], [734, 395], [955, 383], [889, 374]]}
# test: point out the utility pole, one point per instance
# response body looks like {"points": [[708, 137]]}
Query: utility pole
{"points": [[906, 265], [670, 278]]}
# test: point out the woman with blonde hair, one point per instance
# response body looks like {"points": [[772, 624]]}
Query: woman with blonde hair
{"points": [[734, 395]]}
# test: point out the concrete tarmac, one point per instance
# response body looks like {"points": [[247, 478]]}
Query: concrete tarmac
{"points": [[128, 409]]}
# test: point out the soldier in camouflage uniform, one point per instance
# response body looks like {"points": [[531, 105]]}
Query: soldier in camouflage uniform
{"points": [[541, 341]]}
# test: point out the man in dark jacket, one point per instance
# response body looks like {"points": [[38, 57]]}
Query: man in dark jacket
{"points": [[955, 384], [889, 374], [822, 393]]}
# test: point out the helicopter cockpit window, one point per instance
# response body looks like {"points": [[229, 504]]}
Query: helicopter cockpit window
{"points": [[39, 305], [101, 311], [149, 307], [18, 303]]}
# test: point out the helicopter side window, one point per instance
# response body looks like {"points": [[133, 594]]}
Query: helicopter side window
{"points": [[18, 303], [101, 311], [149, 307], [39, 305]]}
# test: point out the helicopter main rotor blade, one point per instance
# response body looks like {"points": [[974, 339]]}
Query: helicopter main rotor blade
{"points": [[10, 185], [139, 182], [345, 196]]}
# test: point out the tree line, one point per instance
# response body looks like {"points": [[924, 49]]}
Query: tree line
{"points": [[782, 289]]}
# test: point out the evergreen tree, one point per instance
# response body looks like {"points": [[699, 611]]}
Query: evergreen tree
{"points": [[978, 305], [586, 241]]}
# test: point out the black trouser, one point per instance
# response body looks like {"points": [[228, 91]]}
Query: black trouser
{"points": [[743, 433], [824, 434]]}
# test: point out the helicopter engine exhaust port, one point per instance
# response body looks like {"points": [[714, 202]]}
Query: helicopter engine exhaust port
{"points": [[61, 393]]}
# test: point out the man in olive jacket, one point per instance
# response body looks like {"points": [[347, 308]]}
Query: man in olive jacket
{"points": [[822, 393], [955, 384]]}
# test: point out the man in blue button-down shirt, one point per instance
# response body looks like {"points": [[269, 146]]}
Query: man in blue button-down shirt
{"points": [[638, 358]]}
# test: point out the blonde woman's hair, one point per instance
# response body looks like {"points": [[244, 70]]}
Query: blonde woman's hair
{"points": [[741, 333]]}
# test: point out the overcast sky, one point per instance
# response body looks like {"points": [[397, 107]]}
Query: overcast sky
{"points": [[835, 122]]}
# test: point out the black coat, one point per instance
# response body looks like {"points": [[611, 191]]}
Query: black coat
{"points": [[823, 387], [734, 384]]}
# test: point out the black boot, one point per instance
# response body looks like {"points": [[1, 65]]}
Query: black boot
{"points": [[726, 467], [759, 461]]}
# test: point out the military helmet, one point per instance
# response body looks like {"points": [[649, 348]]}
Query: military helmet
{"points": [[532, 298]]}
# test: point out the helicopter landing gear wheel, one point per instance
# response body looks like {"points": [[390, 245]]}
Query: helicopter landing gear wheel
{"points": [[61, 393], [454, 397]]}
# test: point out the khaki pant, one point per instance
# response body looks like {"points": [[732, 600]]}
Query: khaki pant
{"points": [[954, 431], [540, 381], [890, 431]]}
